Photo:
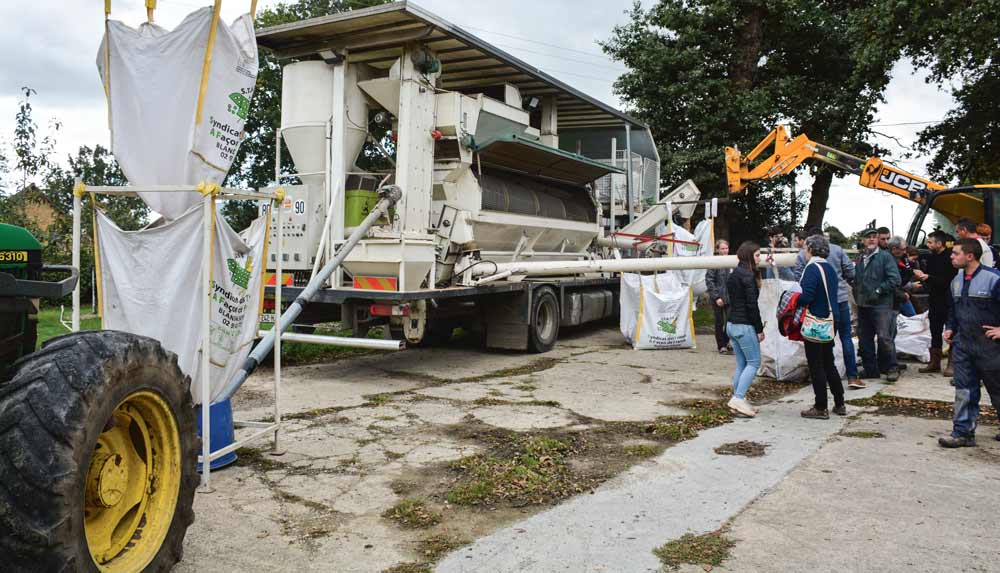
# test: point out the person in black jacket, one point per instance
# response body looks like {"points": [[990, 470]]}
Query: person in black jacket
{"points": [[715, 281], [744, 328], [937, 279]]}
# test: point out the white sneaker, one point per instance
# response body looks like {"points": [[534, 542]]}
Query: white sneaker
{"points": [[741, 407]]}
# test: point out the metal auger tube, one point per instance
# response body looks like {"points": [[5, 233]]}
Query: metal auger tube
{"points": [[389, 196]]}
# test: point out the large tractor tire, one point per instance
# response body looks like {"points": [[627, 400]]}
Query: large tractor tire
{"points": [[98, 453]]}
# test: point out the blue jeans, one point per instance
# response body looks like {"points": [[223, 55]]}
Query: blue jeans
{"points": [[968, 373], [877, 321], [746, 347], [843, 319]]}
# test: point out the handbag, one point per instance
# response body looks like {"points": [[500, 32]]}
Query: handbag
{"points": [[814, 328]]}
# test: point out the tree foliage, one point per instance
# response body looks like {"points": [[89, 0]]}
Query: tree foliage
{"points": [[254, 162], [36, 162], [710, 73], [32, 155], [957, 43]]}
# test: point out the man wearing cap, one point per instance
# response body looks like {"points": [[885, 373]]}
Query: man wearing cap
{"points": [[877, 279]]}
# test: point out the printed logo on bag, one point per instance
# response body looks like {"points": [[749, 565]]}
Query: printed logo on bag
{"points": [[240, 275], [670, 327], [239, 106]]}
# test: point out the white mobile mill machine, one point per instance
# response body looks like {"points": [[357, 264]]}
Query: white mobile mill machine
{"points": [[497, 163]]}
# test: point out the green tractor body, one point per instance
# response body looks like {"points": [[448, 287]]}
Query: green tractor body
{"points": [[20, 261], [21, 288]]}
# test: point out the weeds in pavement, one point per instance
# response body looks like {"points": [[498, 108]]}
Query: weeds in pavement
{"points": [[765, 390], [708, 549], [412, 514], [931, 409], [742, 448], [526, 470], [864, 434], [409, 568], [640, 450], [431, 548]]}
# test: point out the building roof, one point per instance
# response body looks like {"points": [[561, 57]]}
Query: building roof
{"points": [[375, 35]]}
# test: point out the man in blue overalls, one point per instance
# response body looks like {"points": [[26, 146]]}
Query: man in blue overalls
{"points": [[975, 299]]}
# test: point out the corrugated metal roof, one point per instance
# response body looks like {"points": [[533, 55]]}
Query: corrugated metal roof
{"points": [[375, 36]]}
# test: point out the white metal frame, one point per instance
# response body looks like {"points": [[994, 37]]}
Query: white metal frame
{"points": [[211, 192]]}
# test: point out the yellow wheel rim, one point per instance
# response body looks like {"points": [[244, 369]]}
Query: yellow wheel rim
{"points": [[132, 484]]}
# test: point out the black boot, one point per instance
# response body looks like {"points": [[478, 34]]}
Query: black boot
{"points": [[957, 442], [935, 364]]}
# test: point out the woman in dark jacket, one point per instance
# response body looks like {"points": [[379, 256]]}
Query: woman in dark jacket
{"points": [[744, 327], [816, 297], [715, 280]]}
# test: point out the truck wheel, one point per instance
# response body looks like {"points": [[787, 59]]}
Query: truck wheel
{"points": [[98, 453], [544, 328]]}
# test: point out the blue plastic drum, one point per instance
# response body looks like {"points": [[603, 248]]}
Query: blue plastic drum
{"points": [[223, 432]]}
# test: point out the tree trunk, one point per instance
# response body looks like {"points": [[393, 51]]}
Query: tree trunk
{"points": [[820, 195], [750, 38]]}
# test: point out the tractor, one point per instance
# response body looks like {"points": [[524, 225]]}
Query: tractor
{"points": [[98, 443]]}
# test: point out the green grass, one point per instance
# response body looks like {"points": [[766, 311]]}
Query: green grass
{"points": [[640, 451], [49, 326], [704, 317]]}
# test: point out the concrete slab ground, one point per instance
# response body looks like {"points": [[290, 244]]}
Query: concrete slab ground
{"points": [[358, 426], [360, 431], [898, 503], [689, 488]]}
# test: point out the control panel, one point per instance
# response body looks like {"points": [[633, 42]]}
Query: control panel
{"points": [[303, 212]]}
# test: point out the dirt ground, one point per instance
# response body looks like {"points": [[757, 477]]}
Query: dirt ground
{"points": [[392, 460]]}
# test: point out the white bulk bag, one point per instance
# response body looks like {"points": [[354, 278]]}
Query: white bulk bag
{"points": [[152, 87], [913, 336], [656, 311], [151, 284], [781, 358], [702, 235]]}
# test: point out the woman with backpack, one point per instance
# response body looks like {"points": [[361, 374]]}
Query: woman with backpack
{"points": [[745, 329], [819, 279]]}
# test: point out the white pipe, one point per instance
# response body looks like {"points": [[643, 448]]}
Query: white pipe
{"points": [[341, 341], [76, 260], [620, 242], [554, 268]]}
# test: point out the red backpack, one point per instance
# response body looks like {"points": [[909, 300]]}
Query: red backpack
{"points": [[789, 316]]}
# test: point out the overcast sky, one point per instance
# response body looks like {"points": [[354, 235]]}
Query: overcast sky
{"points": [[62, 69]]}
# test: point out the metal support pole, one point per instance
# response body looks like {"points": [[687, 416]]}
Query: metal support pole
{"points": [[208, 204], [611, 188], [276, 450], [77, 203], [336, 166]]}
